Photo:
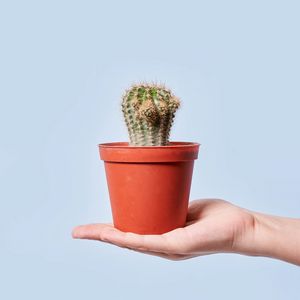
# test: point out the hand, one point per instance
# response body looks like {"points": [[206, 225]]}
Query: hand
{"points": [[212, 226]]}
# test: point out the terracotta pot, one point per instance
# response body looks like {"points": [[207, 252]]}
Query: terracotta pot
{"points": [[149, 186]]}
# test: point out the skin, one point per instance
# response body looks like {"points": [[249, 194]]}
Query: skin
{"points": [[212, 226]]}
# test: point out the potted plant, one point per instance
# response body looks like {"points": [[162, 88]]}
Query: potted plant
{"points": [[149, 178]]}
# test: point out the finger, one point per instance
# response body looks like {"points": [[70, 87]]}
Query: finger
{"points": [[92, 231], [152, 253], [175, 257], [108, 233], [154, 243], [162, 255], [194, 210], [200, 208]]}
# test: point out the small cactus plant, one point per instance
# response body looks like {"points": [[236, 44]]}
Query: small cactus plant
{"points": [[149, 111]]}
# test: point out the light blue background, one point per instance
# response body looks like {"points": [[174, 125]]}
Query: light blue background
{"points": [[63, 68]]}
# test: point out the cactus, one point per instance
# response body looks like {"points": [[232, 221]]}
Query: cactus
{"points": [[149, 111]]}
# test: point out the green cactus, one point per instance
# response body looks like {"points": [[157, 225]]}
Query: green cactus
{"points": [[149, 111]]}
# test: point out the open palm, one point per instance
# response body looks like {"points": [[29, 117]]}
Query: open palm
{"points": [[212, 226]]}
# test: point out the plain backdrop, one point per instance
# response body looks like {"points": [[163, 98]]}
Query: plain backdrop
{"points": [[63, 68]]}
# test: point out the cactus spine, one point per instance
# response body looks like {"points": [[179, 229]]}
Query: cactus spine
{"points": [[149, 111]]}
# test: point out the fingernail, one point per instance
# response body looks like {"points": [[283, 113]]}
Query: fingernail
{"points": [[76, 233]]}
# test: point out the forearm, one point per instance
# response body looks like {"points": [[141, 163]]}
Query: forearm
{"points": [[276, 237]]}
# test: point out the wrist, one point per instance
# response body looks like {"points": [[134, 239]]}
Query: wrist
{"points": [[275, 237]]}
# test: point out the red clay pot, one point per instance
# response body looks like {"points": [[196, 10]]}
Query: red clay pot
{"points": [[149, 186]]}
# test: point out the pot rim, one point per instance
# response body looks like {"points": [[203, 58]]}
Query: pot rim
{"points": [[173, 144], [174, 152]]}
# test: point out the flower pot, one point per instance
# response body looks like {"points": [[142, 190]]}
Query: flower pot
{"points": [[149, 186]]}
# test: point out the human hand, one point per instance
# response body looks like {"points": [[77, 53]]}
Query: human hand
{"points": [[212, 226]]}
